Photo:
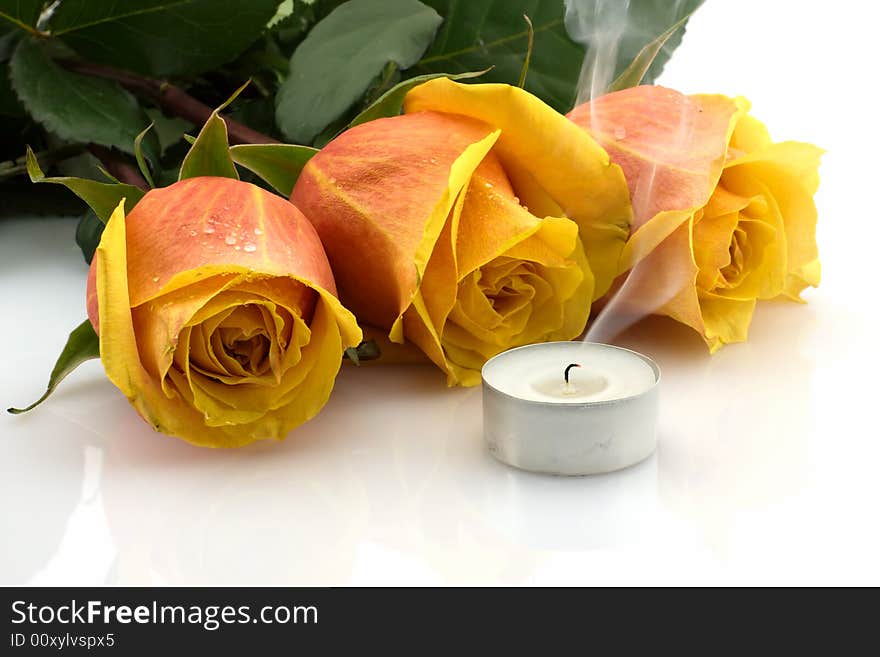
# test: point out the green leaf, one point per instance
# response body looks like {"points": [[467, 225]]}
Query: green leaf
{"points": [[367, 350], [645, 21], [161, 37], [9, 104], [337, 61], [633, 75], [76, 107], [209, 155], [20, 15], [477, 34], [139, 156], [101, 197], [88, 234], [391, 102], [82, 345], [277, 164]]}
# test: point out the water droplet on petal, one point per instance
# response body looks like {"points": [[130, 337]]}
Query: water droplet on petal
{"points": [[192, 233], [155, 279], [230, 240], [620, 133], [258, 231], [250, 248], [488, 185], [332, 180], [238, 248], [209, 230]]}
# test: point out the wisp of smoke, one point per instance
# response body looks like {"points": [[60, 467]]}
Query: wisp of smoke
{"points": [[602, 26]]}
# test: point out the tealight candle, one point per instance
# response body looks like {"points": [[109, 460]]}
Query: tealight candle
{"points": [[570, 408]]}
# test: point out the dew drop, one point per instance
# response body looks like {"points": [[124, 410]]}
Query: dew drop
{"points": [[258, 231], [250, 248], [332, 180], [237, 248], [230, 240], [155, 279], [192, 233], [433, 160], [620, 133], [209, 230], [488, 185]]}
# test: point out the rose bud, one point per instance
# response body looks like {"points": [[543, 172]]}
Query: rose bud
{"points": [[217, 312], [456, 225], [722, 215]]}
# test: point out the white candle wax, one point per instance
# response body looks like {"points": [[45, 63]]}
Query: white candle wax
{"points": [[603, 419], [537, 374]]}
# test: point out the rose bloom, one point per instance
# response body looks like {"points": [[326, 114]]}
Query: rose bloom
{"points": [[479, 220], [217, 312], [723, 216]]}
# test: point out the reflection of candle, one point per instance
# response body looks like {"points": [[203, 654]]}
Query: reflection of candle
{"points": [[542, 413]]}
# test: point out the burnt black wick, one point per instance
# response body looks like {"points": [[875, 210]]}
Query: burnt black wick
{"points": [[568, 371]]}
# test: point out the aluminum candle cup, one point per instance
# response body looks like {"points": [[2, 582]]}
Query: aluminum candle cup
{"points": [[570, 408]]}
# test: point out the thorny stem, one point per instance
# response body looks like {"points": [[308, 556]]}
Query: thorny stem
{"points": [[172, 99]]}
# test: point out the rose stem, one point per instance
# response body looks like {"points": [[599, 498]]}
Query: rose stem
{"points": [[568, 370], [170, 98]]}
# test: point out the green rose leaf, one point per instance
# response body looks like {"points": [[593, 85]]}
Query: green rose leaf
{"points": [[76, 107], [337, 62], [161, 37], [209, 154], [20, 15], [391, 102], [82, 345], [646, 21], [478, 34], [101, 197], [277, 164]]}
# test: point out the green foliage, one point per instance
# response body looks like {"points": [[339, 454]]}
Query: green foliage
{"points": [[76, 107], [88, 234], [19, 15], [391, 102], [635, 73], [101, 197], [161, 37], [209, 155], [477, 34], [646, 20], [85, 72], [334, 65], [82, 345], [277, 164]]}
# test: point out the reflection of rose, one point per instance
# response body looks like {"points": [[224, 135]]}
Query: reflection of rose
{"points": [[216, 312], [455, 226], [723, 216]]}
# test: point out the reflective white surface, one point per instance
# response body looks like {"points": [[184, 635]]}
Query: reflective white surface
{"points": [[766, 471]]}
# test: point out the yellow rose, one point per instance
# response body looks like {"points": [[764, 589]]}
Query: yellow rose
{"points": [[216, 311], [722, 215], [456, 225]]}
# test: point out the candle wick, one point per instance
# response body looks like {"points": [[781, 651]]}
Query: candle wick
{"points": [[568, 371]]}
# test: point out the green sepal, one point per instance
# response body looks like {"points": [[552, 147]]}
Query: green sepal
{"points": [[82, 345], [209, 155], [391, 102], [366, 350], [277, 164], [101, 197]]}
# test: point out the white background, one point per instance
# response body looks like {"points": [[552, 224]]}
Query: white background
{"points": [[766, 473]]}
